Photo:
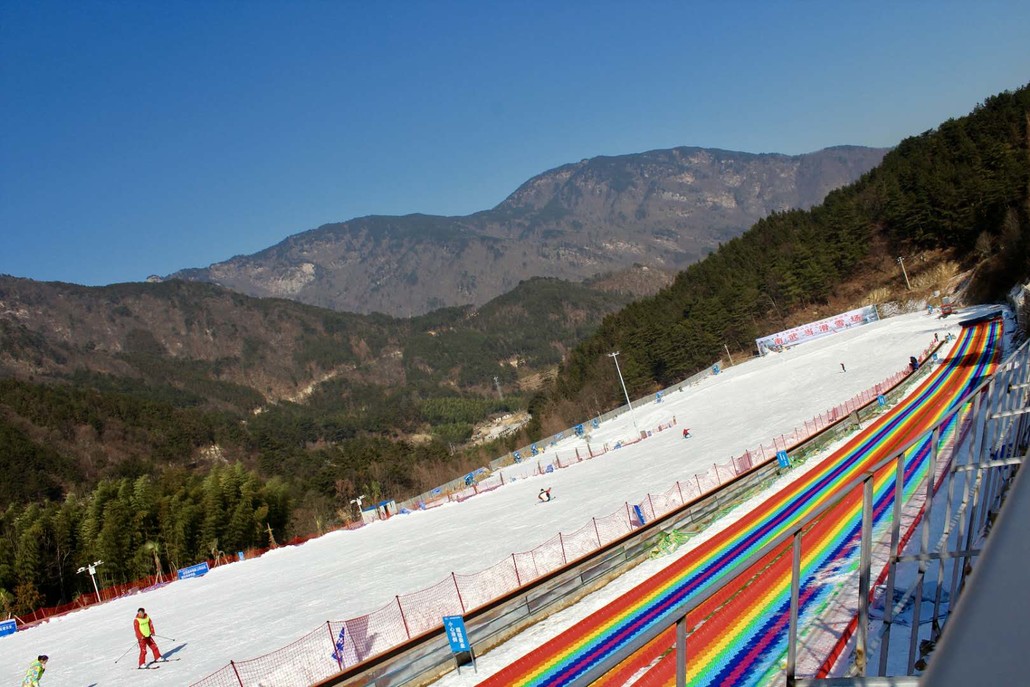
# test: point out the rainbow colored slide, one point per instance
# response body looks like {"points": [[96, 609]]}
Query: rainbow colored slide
{"points": [[742, 640]]}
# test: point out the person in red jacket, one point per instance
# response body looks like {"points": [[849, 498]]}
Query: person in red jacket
{"points": [[144, 628]]}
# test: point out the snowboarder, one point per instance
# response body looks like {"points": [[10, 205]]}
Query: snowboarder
{"points": [[35, 671], [686, 433], [913, 363], [545, 494], [144, 628]]}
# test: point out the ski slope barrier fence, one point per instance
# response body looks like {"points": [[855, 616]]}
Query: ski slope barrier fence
{"points": [[739, 632], [337, 645]]}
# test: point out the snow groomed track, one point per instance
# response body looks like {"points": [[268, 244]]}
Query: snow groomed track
{"points": [[745, 641]]}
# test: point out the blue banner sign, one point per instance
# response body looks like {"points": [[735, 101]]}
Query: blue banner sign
{"points": [[882, 400], [193, 571], [639, 513], [338, 653], [8, 627], [454, 625], [783, 458]]}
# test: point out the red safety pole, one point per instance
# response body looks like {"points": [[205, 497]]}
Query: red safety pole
{"points": [[332, 640], [403, 619], [236, 672], [456, 589]]}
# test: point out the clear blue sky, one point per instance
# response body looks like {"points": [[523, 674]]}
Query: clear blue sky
{"points": [[140, 138]]}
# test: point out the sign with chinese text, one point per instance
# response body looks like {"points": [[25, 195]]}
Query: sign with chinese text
{"points": [[815, 330]]}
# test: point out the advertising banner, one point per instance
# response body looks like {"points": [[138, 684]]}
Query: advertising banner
{"points": [[817, 329]]}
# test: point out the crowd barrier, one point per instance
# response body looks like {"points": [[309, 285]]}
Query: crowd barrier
{"points": [[336, 645]]}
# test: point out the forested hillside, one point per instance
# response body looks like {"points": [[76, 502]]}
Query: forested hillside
{"points": [[135, 412], [960, 190]]}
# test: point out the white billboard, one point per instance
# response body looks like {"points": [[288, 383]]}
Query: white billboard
{"points": [[814, 330]]}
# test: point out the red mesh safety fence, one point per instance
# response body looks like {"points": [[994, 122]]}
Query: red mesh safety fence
{"points": [[611, 527], [465, 493], [423, 609], [380, 630], [549, 555], [490, 483], [525, 566], [666, 502], [689, 490], [485, 586], [581, 542], [224, 677], [306, 661], [706, 483], [742, 464]]}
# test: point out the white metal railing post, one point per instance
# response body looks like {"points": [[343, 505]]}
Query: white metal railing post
{"points": [[892, 570], [865, 564], [795, 592]]}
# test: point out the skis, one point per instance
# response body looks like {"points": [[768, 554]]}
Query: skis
{"points": [[151, 666]]}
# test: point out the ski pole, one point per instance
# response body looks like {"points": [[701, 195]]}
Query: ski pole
{"points": [[126, 652], [170, 639]]}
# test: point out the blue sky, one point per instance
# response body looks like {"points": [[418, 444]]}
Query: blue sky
{"points": [[143, 138]]}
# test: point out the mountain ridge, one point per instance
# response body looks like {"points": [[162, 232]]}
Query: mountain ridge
{"points": [[664, 208]]}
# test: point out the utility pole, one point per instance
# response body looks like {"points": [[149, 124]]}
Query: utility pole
{"points": [[497, 383], [615, 356], [901, 261], [728, 354], [92, 570]]}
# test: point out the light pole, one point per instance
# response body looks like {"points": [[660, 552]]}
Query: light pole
{"points": [[92, 569], [615, 356], [901, 261]]}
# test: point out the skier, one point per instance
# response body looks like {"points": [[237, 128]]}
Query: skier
{"points": [[35, 671], [686, 432], [545, 494], [842, 368], [144, 628], [913, 363]]}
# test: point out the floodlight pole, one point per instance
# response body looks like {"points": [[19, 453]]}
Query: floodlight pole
{"points": [[901, 261], [92, 569], [615, 356]]}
